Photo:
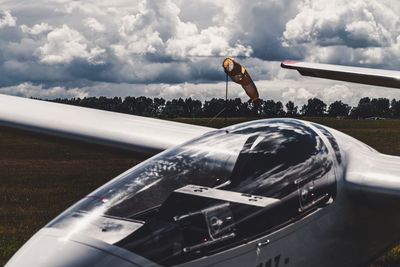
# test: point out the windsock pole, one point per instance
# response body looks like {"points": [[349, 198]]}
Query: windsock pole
{"points": [[226, 100]]}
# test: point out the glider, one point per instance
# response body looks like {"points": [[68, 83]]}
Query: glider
{"points": [[275, 192]]}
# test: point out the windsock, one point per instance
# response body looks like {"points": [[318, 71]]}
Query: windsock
{"points": [[239, 75]]}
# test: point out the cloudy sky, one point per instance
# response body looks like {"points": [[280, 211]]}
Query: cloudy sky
{"points": [[167, 48]]}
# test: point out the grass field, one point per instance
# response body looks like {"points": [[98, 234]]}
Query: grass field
{"points": [[42, 176]]}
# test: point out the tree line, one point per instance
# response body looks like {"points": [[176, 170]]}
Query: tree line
{"points": [[162, 108]]}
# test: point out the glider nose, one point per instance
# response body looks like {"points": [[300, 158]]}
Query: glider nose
{"points": [[51, 251]]}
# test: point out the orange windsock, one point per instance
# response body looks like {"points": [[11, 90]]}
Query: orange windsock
{"points": [[239, 75]]}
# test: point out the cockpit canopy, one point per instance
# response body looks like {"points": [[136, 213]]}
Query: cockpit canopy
{"points": [[211, 193]]}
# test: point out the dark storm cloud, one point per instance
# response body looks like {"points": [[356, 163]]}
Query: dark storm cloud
{"points": [[262, 25]]}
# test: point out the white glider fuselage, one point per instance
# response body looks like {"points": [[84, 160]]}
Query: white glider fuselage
{"points": [[351, 229]]}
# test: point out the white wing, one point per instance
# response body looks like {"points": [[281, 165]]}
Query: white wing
{"points": [[135, 133], [387, 78], [368, 172]]}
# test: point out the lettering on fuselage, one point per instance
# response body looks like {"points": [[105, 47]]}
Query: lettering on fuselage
{"points": [[274, 262]]}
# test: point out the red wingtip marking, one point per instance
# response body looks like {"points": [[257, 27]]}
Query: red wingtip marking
{"points": [[289, 62]]}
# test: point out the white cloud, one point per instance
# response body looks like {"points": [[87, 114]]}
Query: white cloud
{"points": [[357, 24], [360, 32], [137, 36], [95, 25], [156, 28], [208, 42], [329, 91], [38, 91], [65, 44], [297, 94], [6, 19], [36, 29]]}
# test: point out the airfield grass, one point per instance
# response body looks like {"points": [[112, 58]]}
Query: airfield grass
{"points": [[41, 176]]}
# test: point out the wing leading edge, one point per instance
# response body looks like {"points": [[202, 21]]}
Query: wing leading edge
{"points": [[128, 132], [377, 77]]}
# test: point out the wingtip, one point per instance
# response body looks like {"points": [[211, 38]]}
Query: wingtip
{"points": [[288, 63]]}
